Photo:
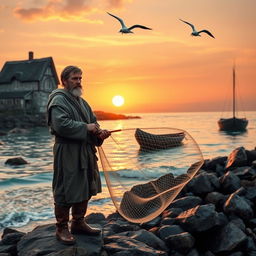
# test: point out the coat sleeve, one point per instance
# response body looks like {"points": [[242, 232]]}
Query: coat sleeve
{"points": [[64, 126]]}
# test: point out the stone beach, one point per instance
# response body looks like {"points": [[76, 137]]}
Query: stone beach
{"points": [[215, 214]]}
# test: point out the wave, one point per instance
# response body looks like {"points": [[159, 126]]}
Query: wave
{"points": [[19, 219], [150, 173], [27, 180]]}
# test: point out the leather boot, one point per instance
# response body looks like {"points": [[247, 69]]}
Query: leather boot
{"points": [[78, 224], [62, 231]]}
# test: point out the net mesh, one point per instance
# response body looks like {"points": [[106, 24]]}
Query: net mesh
{"points": [[145, 169]]}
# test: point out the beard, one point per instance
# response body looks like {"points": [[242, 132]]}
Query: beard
{"points": [[77, 92]]}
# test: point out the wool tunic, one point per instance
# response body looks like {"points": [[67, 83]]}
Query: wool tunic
{"points": [[76, 176]]}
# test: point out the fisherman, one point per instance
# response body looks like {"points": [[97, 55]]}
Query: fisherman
{"points": [[76, 175]]}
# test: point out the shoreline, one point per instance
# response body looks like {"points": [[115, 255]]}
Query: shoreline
{"points": [[214, 214]]}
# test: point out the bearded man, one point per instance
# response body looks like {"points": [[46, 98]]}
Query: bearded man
{"points": [[76, 176]]}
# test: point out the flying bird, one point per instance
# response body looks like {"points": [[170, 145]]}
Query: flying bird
{"points": [[195, 32], [124, 29]]}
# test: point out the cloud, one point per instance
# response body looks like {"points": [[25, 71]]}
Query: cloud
{"points": [[75, 10]]}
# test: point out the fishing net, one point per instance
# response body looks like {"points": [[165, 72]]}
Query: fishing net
{"points": [[145, 169]]}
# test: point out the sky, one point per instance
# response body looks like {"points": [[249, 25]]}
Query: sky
{"points": [[160, 70]]}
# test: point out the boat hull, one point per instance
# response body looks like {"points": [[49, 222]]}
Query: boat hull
{"points": [[149, 141], [233, 124]]}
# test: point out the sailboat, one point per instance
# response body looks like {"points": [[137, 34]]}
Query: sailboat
{"points": [[233, 123]]}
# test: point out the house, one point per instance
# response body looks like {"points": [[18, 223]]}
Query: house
{"points": [[26, 84]]}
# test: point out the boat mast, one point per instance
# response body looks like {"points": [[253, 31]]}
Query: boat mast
{"points": [[234, 92]]}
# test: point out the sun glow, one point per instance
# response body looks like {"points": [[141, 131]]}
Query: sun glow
{"points": [[118, 100]]}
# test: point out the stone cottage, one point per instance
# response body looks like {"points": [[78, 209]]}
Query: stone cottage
{"points": [[26, 84], [24, 88]]}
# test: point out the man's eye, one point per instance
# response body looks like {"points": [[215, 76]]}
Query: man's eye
{"points": [[76, 78]]}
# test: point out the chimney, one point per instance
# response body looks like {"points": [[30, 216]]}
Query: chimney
{"points": [[30, 55]]}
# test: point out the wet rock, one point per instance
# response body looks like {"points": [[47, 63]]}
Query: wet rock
{"points": [[228, 238], [42, 241], [16, 161], [237, 157], [18, 130]]}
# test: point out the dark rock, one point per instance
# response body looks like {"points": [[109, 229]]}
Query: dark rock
{"points": [[200, 218], [12, 238], [212, 164], [172, 212], [251, 155], [167, 221], [186, 203], [203, 183], [182, 242], [227, 239], [229, 183], [10, 249], [42, 241], [216, 198], [16, 161], [122, 245], [114, 227], [168, 230], [238, 206], [236, 158], [142, 235]]}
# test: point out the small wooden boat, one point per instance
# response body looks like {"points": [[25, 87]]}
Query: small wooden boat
{"points": [[149, 141]]}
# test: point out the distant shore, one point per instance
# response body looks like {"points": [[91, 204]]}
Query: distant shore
{"points": [[111, 116], [21, 120]]}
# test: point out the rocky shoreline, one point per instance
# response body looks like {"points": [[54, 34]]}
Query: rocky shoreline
{"points": [[215, 214]]}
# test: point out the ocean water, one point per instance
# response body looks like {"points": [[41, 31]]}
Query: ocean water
{"points": [[25, 191]]}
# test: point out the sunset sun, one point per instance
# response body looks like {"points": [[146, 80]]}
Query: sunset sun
{"points": [[118, 100]]}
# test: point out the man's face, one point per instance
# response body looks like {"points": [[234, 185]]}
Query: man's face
{"points": [[73, 83]]}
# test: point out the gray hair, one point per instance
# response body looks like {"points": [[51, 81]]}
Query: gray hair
{"points": [[67, 71]]}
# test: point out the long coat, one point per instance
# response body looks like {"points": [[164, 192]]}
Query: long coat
{"points": [[76, 176]]}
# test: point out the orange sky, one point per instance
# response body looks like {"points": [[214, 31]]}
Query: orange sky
{"points": [[160, 70]]}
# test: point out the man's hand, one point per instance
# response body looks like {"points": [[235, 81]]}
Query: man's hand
{"points": [[93, 127], [103, 134]]}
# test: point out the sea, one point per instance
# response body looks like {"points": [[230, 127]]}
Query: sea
{"points": [[25, 190]]}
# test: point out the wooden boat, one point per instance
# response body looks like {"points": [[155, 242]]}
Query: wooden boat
{"points": [[233, 123], [149, 141]]}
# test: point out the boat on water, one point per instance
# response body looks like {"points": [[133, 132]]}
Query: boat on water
{"points": [[150, 141], [233, 123]]}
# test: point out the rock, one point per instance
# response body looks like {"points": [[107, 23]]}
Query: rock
{"points": [[16, 161], [42, 241], [238, 157], [229, 183], [200, 218], [168, 230], [203, 183], [236, 205], [18, 130], [182, 242], [227, 239], [186, 203]]}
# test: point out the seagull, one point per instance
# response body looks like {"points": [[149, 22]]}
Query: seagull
{"points": [[195, 32], [124, 29]]}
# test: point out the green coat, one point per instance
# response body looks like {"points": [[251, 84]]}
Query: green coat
{"points": [[76, 176]]}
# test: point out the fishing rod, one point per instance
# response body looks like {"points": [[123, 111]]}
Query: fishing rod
{"points": [[118, 130]]}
